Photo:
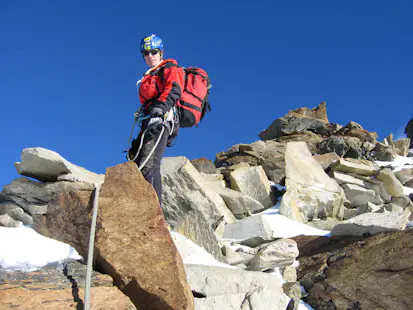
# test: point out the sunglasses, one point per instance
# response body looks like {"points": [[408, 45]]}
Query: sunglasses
{"points": [[153, 52]]}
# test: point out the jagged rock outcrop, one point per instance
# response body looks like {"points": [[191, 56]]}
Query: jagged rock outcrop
{"points": [[409, 131], [185, 189], [132, 244], [48, 166], [311, 193], [223, 288], [374, 273]]}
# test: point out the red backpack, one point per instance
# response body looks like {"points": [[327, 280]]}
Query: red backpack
{"points": [[193, 104]]}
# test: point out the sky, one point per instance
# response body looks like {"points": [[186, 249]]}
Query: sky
{"points": [[69, 68]]}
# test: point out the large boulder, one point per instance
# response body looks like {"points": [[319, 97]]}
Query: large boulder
{"points": [[48, 166], [375, 273], [361, 167], [224, 288], [185, 189], [372, 223], [253, 182], [132, 244], [295, 121], [311, 193]]}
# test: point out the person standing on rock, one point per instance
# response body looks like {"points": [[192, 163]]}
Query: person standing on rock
{"points": [[160, 88]]}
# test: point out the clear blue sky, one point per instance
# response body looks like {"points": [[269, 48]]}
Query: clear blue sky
{"points": [[68, 70]]}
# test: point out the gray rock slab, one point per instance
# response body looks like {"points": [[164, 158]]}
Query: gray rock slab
{"points": [[48, 166], [391, 183], [344, 165], [372, 223], [248, 228], [185, 189], [358, 195], [279, 253], [224, 288], [7, 221]]}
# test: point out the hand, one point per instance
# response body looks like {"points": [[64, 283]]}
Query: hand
{"points": [[155, 123]]}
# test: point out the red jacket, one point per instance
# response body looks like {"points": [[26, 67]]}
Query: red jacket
{"points": [[162, 86]]}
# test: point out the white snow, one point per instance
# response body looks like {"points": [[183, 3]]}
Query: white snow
{"points": [[24, 249], [397, 163]]}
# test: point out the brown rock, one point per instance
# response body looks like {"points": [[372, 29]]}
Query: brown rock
{"points": [[310, 138], [132, 244], [375, 273], [204, 165], [325, 160], [103, 298], [363, 135], [319, 112]]}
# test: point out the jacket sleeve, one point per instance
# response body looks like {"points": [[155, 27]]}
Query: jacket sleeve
{"points": [[173, 79]]}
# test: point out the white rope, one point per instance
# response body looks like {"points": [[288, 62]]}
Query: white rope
{"points": [[91, 247]]}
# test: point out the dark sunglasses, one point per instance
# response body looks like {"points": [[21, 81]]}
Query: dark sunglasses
{"points": [[153, 52]]}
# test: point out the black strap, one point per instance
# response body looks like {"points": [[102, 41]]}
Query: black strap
{"points": [[189, 105]]}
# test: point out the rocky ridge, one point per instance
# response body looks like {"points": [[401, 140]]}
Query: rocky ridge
{"points": [[322, 174]]}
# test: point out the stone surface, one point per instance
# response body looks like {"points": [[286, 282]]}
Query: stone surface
{"points": [[402, 146], [204, 165], [358, 195], [357, 167], [240, 204], [333, 144], [132, 244], [409, 131], [291, 123], [7, 221], [404, 175], [384, 152], [248, 228], [391, 183], [59, 287], [48, 166], [311, 193], [196, 228], [35, 196], [325, 160], [223, 288], [279, 253], [372, 223], [375, 273], [254, 183], [185, 189]]}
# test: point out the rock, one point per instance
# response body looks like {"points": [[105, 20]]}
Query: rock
{"points": [[379, 267], [311, 193], [48, 166], [326, 160], [240, 204], [391, 207], [326, 224], [272, 154], [291, 123], [384, 152], [223, 288], [289, 274], [233, 258], [333, 144], [391, 183], [362, 135], [402, 146], [185, 189], [132, 243], [249, 228], [404, 175], [319, 112], [7, 221], [196, 228], [254, 183], [354, 166], [293, 290], [354, 147], [18, 214], [34, 196], [310, 138], [371, 224], [357, 195], [59, 287], [279, 253], [204, 165]]}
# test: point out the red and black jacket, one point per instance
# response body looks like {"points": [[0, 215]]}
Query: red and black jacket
{"points": [[162, 86]]}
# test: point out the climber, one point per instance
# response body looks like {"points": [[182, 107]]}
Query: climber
{"points": [[159, 90]]}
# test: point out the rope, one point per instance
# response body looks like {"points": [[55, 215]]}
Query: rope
{"points": [[91, 247]]}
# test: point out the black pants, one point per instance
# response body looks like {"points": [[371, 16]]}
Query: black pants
{"points": [[152, 169]]}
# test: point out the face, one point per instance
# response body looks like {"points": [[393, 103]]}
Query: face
{"points": [[152, 57]]}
